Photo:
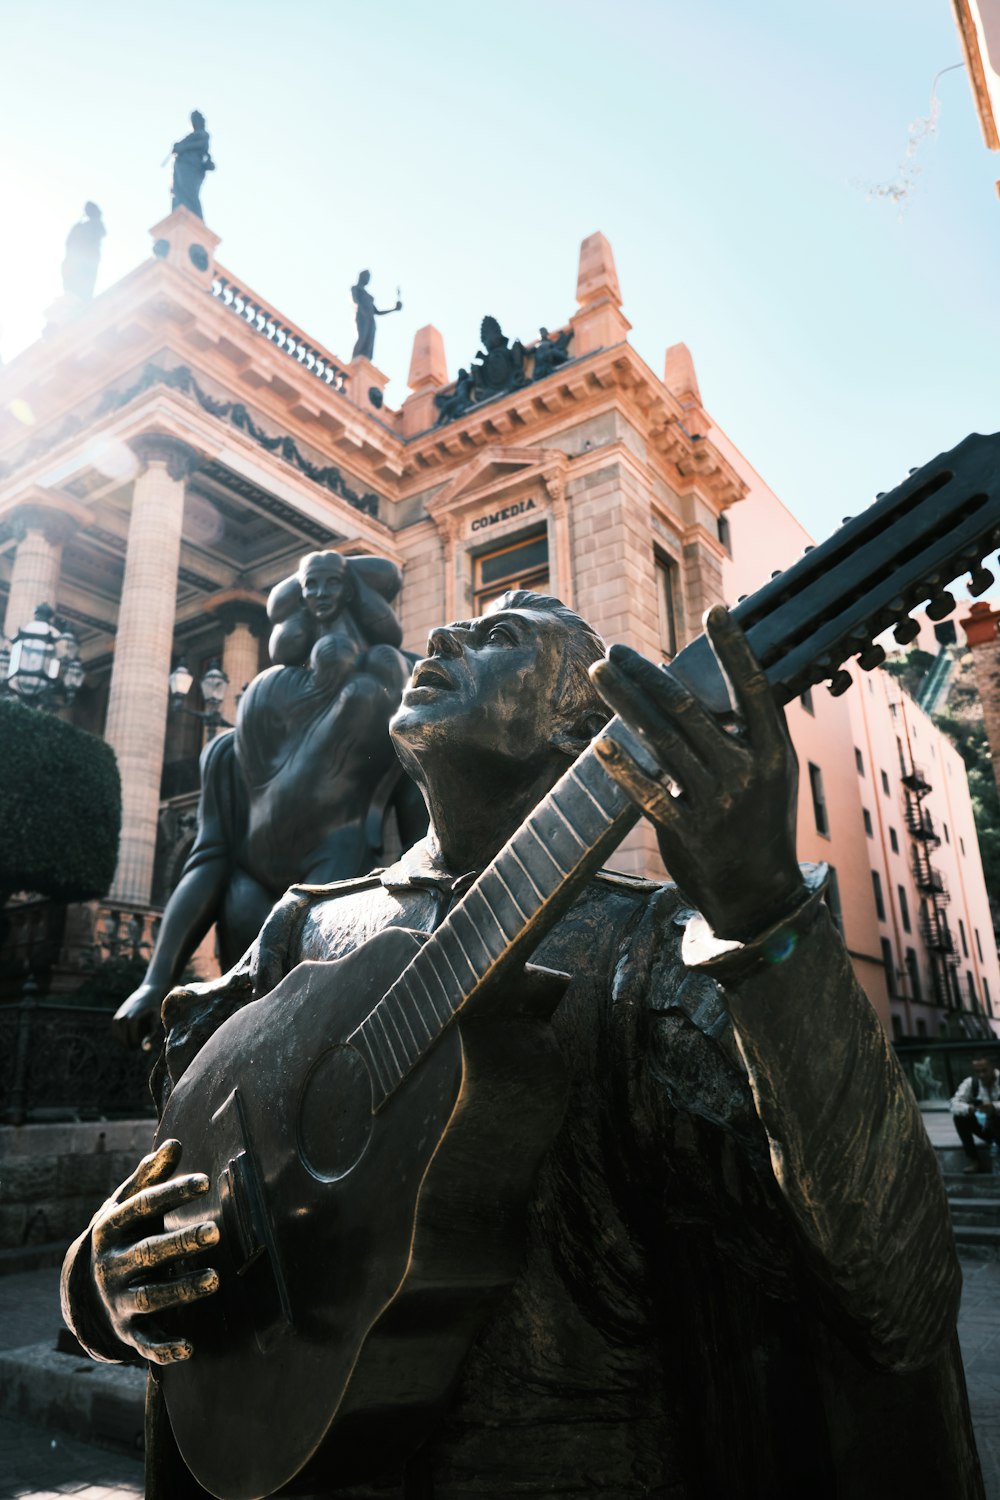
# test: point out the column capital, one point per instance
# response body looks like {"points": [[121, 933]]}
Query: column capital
{"points": [[161, 447], [55, 516], [239, 607]]}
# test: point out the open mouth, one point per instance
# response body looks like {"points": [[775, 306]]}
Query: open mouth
{"points": [[431, 673]]}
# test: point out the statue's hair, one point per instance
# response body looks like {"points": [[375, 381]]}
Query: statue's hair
{"points": [[576, 696]]}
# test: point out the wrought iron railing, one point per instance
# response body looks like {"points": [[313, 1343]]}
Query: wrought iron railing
{"points": [[256, 315], [61, 1062]]}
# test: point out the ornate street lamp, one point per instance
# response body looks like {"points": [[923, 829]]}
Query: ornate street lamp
{"points": [[213, 686], [42, 664]]}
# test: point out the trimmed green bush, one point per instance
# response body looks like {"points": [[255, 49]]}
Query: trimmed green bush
{"points": [[60, 807]]}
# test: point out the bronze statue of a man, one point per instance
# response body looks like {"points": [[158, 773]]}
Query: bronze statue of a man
{"points": [[301, 788], [738, 1273], [192, 159]]}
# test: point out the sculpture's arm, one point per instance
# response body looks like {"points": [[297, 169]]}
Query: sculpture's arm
{"points": [[847, 1144], [371, 607], [849, 1150], [196, 900]]}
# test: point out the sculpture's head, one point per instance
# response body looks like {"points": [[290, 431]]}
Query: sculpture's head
{"points": [[364, 277], [511, 687], [324, 580], [91, 211], [197, 119]]}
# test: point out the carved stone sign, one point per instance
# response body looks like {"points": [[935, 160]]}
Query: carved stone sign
{"points": [[493, 517]]}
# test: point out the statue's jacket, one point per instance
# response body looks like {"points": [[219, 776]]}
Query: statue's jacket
{"points": [[739, 1275]]}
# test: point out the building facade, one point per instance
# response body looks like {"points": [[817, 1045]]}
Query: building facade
{"points": [[169, 452]]}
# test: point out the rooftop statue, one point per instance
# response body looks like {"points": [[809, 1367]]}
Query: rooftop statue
{"points": [[191, 161], [83, 254], [550, 352], [365, 314], [300, 789]]}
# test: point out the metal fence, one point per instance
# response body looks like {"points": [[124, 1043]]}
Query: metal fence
{"points": [[61, 1062]]}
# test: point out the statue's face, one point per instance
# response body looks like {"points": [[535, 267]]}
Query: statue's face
{"points": [[486, 686], [323, 588]]}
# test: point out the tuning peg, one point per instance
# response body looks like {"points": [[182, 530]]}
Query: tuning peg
{"points": [[881, 494], [860, 633], [742, 597], [840, 682], [845, 519], [940, 606], [872, 658], [980, 579], [777, 573], [806, 550], [906, 631], [911, 471]]}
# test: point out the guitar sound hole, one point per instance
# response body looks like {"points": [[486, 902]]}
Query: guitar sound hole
{"points": [[335, 1114]]}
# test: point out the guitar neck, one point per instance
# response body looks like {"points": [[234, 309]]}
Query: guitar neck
{"points": [[828, 606]]}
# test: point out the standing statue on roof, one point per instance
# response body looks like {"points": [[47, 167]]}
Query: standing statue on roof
{"points": [[191, 161], [83, 254], [366, 314]]}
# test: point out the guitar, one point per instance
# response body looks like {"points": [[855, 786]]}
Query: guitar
{"points": [[372, 1128]]}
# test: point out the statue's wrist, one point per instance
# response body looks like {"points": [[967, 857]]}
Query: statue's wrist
{"points": [[774, 941]]}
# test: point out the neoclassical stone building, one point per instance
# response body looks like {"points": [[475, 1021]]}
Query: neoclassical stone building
{"points": [[169, 452]]}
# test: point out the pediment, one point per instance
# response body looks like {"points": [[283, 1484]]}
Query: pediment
{"points": [[493, 470]]}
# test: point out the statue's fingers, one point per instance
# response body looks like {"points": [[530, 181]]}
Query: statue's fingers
{"points": [[164, 1249], [158, 1296], [755, 701], [153, 1345], [648, 794], [153, 1202], [629, 696]]}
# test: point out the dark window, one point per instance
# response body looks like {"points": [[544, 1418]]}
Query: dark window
{"points": [[877, 890], [859, 761], [807, 702], [979, 946], [868, 821], [725, 535], [986, 995], [947, 835], [961, 841], [922, 1028], [517, 565], [971, 985], [943, 1028], [913, 969], [889, 964], [904, 909], [961, 933], [819, 801], [893, 841], [666, 602], [897, 1027], [885, 783], [833, 899]]}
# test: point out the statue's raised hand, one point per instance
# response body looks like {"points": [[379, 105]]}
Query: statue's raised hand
{"points": [[139, 1271], [727, 826]]}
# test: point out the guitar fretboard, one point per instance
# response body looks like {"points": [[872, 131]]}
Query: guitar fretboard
{"points": [[515, 901]]}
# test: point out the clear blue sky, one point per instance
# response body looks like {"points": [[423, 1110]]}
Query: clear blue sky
{"points": [[463, 151]]}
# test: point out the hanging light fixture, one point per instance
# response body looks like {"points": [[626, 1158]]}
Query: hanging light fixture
{"points": [[213, 684], [42, 664]]}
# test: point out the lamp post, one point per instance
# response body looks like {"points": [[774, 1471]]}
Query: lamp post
{"points": [[42, 665], [213, 686]]}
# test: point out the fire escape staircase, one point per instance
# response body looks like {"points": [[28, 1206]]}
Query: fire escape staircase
{"points": [[932, 886]]}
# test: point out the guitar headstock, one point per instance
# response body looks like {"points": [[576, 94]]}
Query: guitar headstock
{"points": [[833, 603]]}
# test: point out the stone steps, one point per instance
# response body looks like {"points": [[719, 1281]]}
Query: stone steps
{"points": [[974, 1201]]}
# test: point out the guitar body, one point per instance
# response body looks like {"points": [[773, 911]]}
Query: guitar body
{"points": [[360, 1252]]}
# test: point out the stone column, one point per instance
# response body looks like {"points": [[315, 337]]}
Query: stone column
{"points": [[244, 617], [137, 704], [41, 532], [981, 629]]}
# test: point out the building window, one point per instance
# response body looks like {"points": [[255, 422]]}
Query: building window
{"points": [[819, 801], [859, 761], [904, 910], [971, 984], [897, 1027], [947, 835], [979, 946], [893, 841], [922, 1027], [666, 602], [725, 534], [986, 996], [961, 844], [806, 699], [913, 969], [961, 933], [868, 822], [877, 891], [885, 783], [833, 899], [889, 964], [523, 564]]}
